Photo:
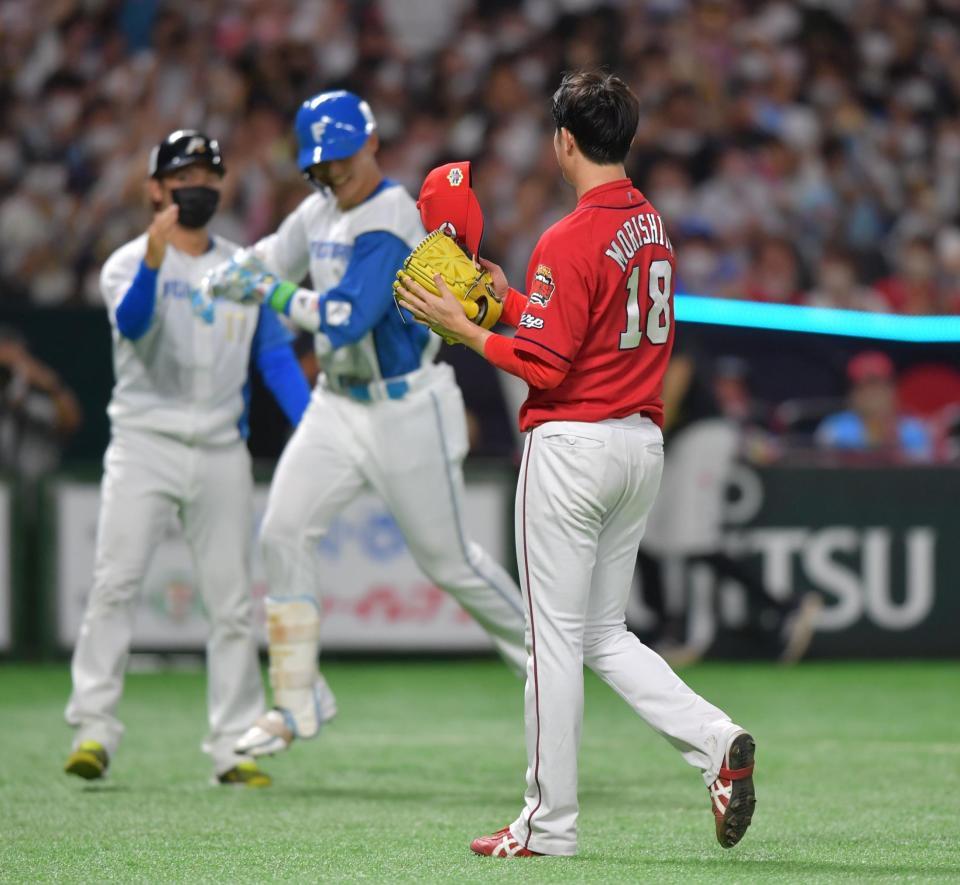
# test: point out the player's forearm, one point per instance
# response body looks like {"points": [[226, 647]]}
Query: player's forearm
{"points": [[342, 319], [135, 310], [676, 383], [41, 377], [474, 337], [69, 414], [282, 374], [500, 352], [301, 306]]}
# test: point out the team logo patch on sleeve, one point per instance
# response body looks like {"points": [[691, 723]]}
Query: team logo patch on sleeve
{"points": [[338, 312], [542, 290], [529, 321]]}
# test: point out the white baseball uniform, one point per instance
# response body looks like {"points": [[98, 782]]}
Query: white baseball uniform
{"points": [[382, 416], [177, 413]]}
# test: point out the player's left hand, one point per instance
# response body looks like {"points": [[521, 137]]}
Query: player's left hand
{"points": [[440, 274], [244, 278], [443, 312]]}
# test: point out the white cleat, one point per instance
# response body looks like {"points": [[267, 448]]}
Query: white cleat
{"points": [[272, 733]]}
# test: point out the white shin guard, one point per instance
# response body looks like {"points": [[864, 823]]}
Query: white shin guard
{"points": [[293, 633]]}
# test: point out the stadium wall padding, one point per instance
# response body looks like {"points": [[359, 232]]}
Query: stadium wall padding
{"points": [[880, 545]]}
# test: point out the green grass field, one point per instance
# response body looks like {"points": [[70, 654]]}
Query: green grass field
{"points": [[858, 779]]}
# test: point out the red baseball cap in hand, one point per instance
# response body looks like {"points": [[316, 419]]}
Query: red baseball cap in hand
{"points": [[446, 201]]}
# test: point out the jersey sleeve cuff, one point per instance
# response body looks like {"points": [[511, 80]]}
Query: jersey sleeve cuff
{"points": [[541, 351], [498, 349]]}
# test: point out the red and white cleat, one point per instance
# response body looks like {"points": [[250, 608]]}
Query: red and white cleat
{"points": [[501, 844], [731, 794]]}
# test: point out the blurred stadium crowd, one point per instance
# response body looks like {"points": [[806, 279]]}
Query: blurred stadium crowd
{"points": [[802, 152]]}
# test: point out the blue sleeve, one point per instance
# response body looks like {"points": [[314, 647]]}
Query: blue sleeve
{"points": [[361, 299], [278, 366], [135, 310], [841, 431], [915, 439]]}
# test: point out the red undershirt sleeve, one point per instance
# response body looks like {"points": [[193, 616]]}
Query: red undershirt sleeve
{"points": [[500, 351], [514, 305]]}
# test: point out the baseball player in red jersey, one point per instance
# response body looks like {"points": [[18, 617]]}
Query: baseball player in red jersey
{"points": [[595, 331]]}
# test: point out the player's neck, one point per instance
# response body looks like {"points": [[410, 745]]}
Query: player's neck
{"points": [[589, 175], [193, 241], [362, 194]]}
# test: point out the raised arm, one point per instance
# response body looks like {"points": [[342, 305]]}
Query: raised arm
{"points": [[349, 310], [132, 302]]}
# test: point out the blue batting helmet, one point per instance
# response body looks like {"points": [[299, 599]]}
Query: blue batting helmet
{"points": [[332, 126]]}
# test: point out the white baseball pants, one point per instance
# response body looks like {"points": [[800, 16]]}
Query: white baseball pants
{"points": [[147, 478], [582, 501], [410, 451]]}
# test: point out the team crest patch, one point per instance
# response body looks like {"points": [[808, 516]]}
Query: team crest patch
{"points": [[448, 228], [529, 321], [542, 290], [455, 176]]}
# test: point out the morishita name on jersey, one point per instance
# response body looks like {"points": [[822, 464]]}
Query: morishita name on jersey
{"points": [[639, 230]]}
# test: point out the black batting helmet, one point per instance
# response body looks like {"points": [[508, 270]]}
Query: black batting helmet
{"points": [[185, 147]]}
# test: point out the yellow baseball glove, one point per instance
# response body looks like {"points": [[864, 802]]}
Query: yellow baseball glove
{"points": [[437, 253]]}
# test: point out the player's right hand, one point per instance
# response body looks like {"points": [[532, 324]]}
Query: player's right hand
{"points": [[244, 278], [500, 284], [158, 235]]}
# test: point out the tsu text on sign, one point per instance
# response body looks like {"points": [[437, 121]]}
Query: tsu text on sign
{"points": [[881, 547], [374, 596]]}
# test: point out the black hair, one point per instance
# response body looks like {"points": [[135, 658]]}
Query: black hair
{"points": [[600, 111]]}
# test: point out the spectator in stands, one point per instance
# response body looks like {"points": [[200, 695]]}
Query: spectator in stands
{"points": [[775, 275], [837, 284], [703, 267], [669, 184], [38, 413], [834, 122], [913, 288], [948, 266], [873, 423]]}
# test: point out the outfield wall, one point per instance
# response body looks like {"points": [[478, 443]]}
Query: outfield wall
{"points": [[881, 545], [373, 595]]}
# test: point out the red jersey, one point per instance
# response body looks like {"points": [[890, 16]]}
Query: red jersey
{"points": [[600, 306]]}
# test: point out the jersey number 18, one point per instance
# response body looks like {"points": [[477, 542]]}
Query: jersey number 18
{"points": [[659, 276]]}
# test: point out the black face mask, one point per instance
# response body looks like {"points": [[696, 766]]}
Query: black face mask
{"points": [[197, 205]]}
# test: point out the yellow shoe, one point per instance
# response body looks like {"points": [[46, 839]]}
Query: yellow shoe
{"points": [[245, 774], [89, 761]]}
